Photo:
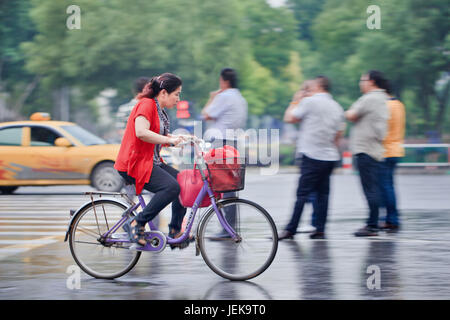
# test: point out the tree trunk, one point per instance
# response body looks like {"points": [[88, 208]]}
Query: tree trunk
{"points": [[24, 96], [61, 104], [424, 100], [1, 70], [442, 100]]}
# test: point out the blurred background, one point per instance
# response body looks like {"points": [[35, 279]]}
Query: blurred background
{"points": [[83, 75]]}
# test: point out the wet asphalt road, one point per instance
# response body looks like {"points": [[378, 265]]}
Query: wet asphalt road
{"points": [[412, 264]]}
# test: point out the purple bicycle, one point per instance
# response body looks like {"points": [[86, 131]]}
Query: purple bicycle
{"points": [[102, 249]]}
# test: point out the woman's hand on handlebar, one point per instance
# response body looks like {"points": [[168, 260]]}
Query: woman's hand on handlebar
{"points": [[184, 140], [175, 140]]}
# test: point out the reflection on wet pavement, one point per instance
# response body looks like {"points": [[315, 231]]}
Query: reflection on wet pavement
{"points": [[413, 263], [336, 268]]}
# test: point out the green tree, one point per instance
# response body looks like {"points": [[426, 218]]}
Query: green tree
{"points": [[305, 11], [192, 38], [16, 85], [409, 48], [273, 43], [258, 87]]}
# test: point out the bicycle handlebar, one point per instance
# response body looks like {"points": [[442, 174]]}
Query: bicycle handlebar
{"points": [[199, 146], [191, 139], [197, 142]]}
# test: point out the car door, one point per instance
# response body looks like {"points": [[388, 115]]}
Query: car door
{"points": [[44, 160], [11, 140]]}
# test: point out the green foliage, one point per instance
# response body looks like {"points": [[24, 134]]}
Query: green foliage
{"points": [[287, 154], [194, 39], [273, 50], [257, 86], [410, 48]]}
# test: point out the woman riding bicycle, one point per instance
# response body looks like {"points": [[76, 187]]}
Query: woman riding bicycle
{"points": [[139, 162]]}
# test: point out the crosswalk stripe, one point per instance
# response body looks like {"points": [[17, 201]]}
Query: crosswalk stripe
{"points": [[31, 216], [31, 242], [20, 246], [51, 222], [35, 212], [31, 233], [29, 222], [62, 227], [10, 251], [33, 222]]}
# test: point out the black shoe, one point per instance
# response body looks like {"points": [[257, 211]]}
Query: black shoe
{"points": [[367, 232], [317, 235], [285, 235], [182, 245], [389, 227]]}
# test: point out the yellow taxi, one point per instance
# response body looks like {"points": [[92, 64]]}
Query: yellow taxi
{"points": [[41, 152]]}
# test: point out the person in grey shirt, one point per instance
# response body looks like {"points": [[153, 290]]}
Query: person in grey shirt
{"points": [[227, 109], [321, 124], [370, 115]]}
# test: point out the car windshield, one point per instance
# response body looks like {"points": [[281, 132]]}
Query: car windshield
{"points": [[84, 136]]}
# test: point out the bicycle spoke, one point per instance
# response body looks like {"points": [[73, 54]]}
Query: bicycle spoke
{"points": [[106, 219], [109, 259], [85, 242], [238, 260], [88, 232]]}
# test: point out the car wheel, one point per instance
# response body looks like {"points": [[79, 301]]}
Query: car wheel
{"points": [[105, 178], [8, 190]]}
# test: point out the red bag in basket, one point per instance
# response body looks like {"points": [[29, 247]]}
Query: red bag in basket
{"points": [[224, 167]]}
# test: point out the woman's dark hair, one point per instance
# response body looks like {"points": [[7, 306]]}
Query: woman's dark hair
{"points": [[166, 81], [378, 78], [229, 75]]}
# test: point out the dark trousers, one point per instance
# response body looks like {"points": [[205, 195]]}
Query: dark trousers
{"points": [[388, 198], [369, 170], [313, 201], [163, 183], [314, 179]]}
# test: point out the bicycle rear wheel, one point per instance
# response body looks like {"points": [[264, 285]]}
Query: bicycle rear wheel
{"points": [[95, 255], [244, 259]]}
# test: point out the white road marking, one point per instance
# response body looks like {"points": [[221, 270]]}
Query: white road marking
{"points": [[31, 233], [20, 246]]}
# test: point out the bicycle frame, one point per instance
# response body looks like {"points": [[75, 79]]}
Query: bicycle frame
{"points": [[205, 191]]}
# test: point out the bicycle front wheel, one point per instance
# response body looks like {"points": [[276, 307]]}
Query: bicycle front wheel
{"points": [[244, 259], [103, 258]]}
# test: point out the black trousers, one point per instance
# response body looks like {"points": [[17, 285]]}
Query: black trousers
{"points": [[369, 170], [163, 183], [314, 179]]}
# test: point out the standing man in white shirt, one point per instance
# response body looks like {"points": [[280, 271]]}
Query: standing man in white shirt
{"points": [[369, 114], [321, 125], [228, 110]]}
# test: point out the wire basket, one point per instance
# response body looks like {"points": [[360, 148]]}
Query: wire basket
{"points": [[227, 175]]}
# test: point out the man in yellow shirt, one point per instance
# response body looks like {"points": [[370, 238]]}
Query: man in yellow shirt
{"points": [[393, 145]]}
